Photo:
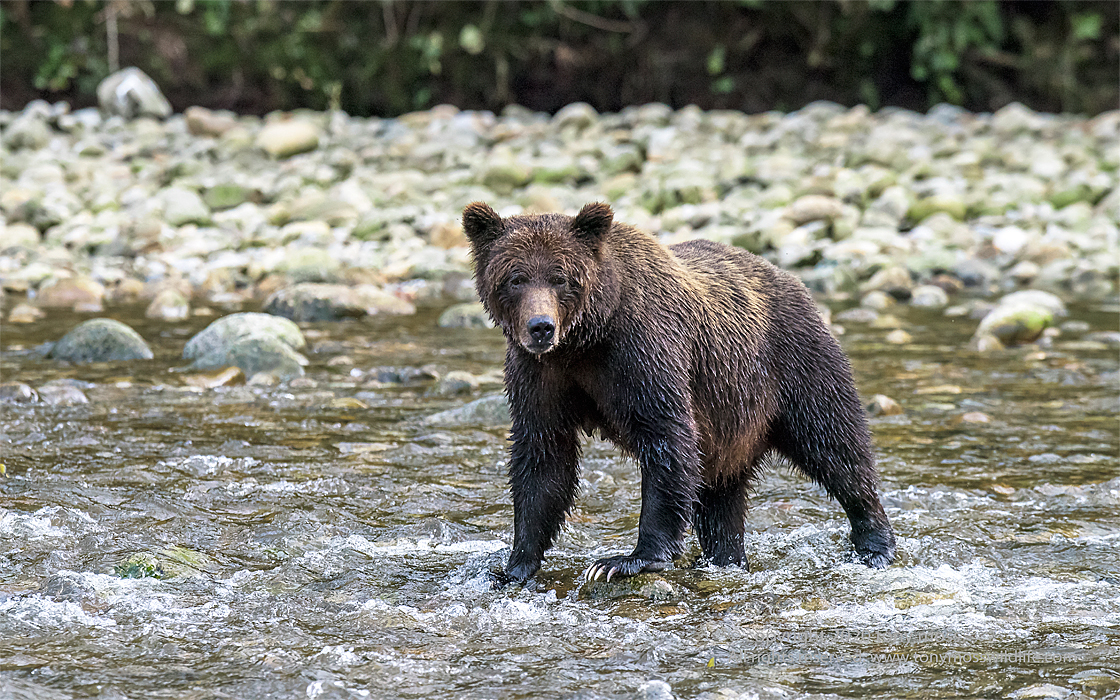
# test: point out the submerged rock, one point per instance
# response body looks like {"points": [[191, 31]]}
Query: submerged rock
{"points": [[101, 340], [648, 586], [172, 562], [489, 410], [227, 376], [62, 392]]}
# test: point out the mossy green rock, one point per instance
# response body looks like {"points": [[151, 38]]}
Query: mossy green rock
{"points": [[226, 196], [952, 205], [101, 340], [172, 562], [505, 176], [1069, 195], [1015, 324]]}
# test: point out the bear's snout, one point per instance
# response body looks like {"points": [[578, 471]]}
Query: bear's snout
{"points": [[539, 325]]}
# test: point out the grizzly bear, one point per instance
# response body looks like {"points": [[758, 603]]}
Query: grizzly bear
{"points": [[696, 359]]}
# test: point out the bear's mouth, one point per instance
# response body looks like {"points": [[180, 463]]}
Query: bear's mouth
{"points": [[538, 348]]}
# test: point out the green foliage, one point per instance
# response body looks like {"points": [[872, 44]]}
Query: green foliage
{"points": [[947, 31], [393, 56]]}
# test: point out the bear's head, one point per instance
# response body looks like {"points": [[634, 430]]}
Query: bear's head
{"points": [[538, 275]]}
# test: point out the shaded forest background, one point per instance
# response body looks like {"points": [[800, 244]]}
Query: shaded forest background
{"points": [[388, 57]]}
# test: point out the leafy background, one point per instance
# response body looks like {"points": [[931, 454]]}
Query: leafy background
{"points": [[389, 57]]}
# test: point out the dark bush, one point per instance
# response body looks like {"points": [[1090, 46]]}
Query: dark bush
{"points": [[386, 58]]}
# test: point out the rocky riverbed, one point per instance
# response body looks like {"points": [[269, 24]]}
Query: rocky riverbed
{"points": [[204, 212], [201, 500]]}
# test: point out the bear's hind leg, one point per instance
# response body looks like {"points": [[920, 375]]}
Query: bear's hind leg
{"points": [[718, 519], [832, 446]]}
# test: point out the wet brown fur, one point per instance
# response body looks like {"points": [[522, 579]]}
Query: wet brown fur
{"points": [[696, 359]]}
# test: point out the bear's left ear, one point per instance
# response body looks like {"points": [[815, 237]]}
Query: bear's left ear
{"points": [[592, 222], [481, 224]]}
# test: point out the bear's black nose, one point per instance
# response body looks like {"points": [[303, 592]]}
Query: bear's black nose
{"points": [[541, 329]]}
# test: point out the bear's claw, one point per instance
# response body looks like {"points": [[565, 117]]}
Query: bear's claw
{"points": [[622, 566]]}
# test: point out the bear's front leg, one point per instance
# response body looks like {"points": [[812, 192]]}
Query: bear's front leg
{"points": [[670, 467], [544, 478], [544, 461]]}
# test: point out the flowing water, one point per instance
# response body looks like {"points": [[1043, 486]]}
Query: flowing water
{"points": [[320, 541]]}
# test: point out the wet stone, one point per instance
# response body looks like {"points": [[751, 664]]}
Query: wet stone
{"points": [[70, 292], [331, 302], [210, 348], [857, 315], [25, 313], [1019, 319], [101, 340], [255, 343], [489, 410], [468, 315], [62, 393], [929, 296], [401, 375], [130, 93], [168, 305], [456, 383], [288, 138], [227, 376], [17, 392], [882, 405], [648, 586]]}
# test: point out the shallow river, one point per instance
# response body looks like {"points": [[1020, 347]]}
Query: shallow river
{"points": [[319, 541]]}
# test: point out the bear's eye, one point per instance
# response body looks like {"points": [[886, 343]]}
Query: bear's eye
{"points": [[557, 281], [516, 280]]}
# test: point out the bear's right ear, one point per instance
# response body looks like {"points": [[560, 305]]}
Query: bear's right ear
{"points": [[481, 224]]}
